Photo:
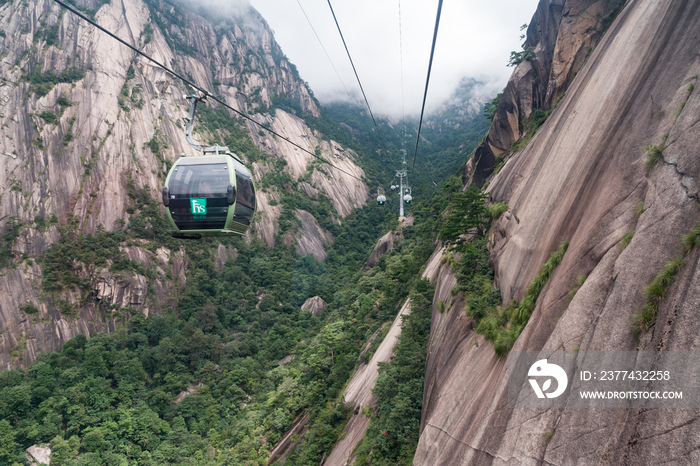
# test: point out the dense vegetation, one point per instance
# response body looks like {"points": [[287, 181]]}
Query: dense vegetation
{"points": [[392, 435], [121, 397], [111, 398], [42, 83]]}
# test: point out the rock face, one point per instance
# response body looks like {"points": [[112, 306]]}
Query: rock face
{"points": [[583, 179], [39, 454], [312, 238], [77, 142], [24, 334], [343, 185], [387, 242], [560, 38], [287, 443], [359, 393], [315, 306], [384, 245]]}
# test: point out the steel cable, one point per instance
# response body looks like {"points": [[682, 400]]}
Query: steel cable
{"points": [[427, 81]]}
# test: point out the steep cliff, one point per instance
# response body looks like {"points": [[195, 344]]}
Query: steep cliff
{"points": [[89, 128], [559, 40], [613, 171]]}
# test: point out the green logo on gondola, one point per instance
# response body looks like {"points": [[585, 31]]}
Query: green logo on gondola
{"points": [[199, 205]]}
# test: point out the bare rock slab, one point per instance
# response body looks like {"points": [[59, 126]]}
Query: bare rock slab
{"points": [[315, 306]]}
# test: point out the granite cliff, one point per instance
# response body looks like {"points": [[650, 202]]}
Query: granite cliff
{"points": [[559, 39], [613, 171]]}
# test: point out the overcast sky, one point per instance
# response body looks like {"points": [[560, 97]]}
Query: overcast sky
{"points": [[475, 39]]}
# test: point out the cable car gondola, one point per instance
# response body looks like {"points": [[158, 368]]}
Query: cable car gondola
{"points": [[381, 198], [407, 197], [211, 194]]}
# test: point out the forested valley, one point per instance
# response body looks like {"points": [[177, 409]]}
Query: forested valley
{"points": [[560, 215], [201, 384], [220, 376]]}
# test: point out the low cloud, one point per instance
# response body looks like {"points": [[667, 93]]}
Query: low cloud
{"points": [[217, 9], [474, 40]]}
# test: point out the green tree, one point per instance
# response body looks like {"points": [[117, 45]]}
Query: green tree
{"points": [[467, 214], [15, 402], [141, 425], [207, 318], [8, 446], [94, 363], [94, 440], [516, 58], [62, 451], [491, 107], [332, 335]]}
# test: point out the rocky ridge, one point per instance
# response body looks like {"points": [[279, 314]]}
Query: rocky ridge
{"points": [[466, 103]]}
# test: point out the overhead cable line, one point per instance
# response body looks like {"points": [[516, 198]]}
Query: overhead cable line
{"points": [[207, 93], [427, 80], [324, 50], [358, 77], [403, 105]]}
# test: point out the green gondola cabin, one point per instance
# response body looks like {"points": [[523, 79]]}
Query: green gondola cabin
{"points": [[209, 195]]}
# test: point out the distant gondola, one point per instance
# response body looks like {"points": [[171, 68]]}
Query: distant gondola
{"points": [[210, 194]]}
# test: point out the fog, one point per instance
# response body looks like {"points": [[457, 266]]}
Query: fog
{"points": [[390, 42], [475, 39]]}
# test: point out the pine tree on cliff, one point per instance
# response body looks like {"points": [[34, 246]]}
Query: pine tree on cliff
{"points": [[467, 215]]}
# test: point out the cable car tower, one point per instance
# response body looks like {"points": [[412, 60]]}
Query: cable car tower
{"points": [[401, 174], [404, 195]]}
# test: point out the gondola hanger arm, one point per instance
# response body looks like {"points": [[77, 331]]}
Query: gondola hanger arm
{"points": [[199, 96]]}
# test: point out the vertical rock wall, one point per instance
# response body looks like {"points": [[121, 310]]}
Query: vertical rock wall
{"points": [[583, 179], [560, 38]]}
